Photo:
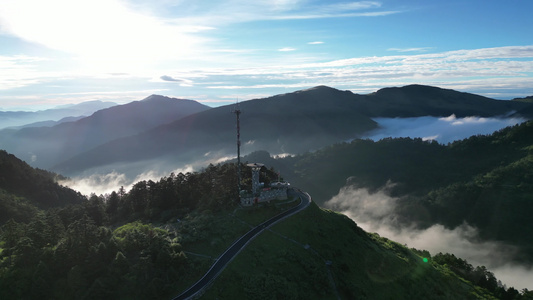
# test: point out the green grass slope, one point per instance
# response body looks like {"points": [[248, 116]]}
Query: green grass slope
{"points": [[320, 254]]}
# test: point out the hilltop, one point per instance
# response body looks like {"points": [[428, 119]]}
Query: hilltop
{"points": [[420, 100], [320, 254]]}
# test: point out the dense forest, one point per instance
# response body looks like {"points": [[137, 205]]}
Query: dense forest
{"points": [[57, 244]]}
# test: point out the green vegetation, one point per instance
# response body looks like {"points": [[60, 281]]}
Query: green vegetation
{"points": [[24, 190], [320, 254], [148, 243], [528, 99], [158, 238]]}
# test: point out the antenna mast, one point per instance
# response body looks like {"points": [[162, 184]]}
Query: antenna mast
{"points": [[237, 112]]}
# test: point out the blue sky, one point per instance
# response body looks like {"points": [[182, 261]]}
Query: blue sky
{"points": [[68, 51]]}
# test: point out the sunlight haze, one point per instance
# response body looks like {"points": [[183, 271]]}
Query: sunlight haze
{"points": [[57, 52]]}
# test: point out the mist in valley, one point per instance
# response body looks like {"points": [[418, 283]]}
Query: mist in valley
{"points": [[375, 212], [441, 129], [103, 180]]}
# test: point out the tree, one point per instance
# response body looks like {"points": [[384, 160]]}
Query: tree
{"points": [[11, 233], [111, 207], [95, 209]]}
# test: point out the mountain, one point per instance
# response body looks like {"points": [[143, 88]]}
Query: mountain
{"points": [[526, 112], [48, 123], [419, 100], [295, 122], [45, 146], [20, 118]]}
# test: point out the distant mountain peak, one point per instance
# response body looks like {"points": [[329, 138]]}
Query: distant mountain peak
{"points": [[161, 98], [318, 88], [410, 87], [156, 97]]}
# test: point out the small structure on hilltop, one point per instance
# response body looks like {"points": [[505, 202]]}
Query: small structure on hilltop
{"points": [[260, 193]]}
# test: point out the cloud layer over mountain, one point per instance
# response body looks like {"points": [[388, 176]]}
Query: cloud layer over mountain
{"points": [[443, 130], [374, 212]]}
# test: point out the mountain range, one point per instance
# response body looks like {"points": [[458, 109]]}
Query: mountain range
{"points": [[175, 132], [21, 118], [45, 146], [293, 123]]}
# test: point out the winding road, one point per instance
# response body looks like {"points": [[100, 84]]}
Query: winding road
{"points": [[198, 288]]}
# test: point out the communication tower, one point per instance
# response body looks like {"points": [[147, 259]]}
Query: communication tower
{"points": [[237, 112]]}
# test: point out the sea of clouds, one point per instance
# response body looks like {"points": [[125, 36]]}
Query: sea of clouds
{"points": [[441, 129]]}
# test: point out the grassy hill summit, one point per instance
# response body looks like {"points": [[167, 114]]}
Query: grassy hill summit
{"points": [[321, 254]]}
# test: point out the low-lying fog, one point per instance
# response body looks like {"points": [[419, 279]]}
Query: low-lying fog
{"points": [[374, 212], [104, 180], [443, 130]]}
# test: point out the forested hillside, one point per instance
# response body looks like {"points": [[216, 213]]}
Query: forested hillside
{"points": [[486, 181], [24, 190], [158, 238], [125, 245]]}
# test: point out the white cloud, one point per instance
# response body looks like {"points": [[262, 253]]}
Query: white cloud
{"points": [[286, 49], [105, 33], [20, 70], [181, 81], [97, 183], [420, 49], [443, 130], [349, 6], [491, 71], [106, 183], [238, 11]]}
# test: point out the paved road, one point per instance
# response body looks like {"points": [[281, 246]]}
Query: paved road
{"points": [[234, 249]]}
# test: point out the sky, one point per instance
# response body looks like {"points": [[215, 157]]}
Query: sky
{"points": [[57, 52]]}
